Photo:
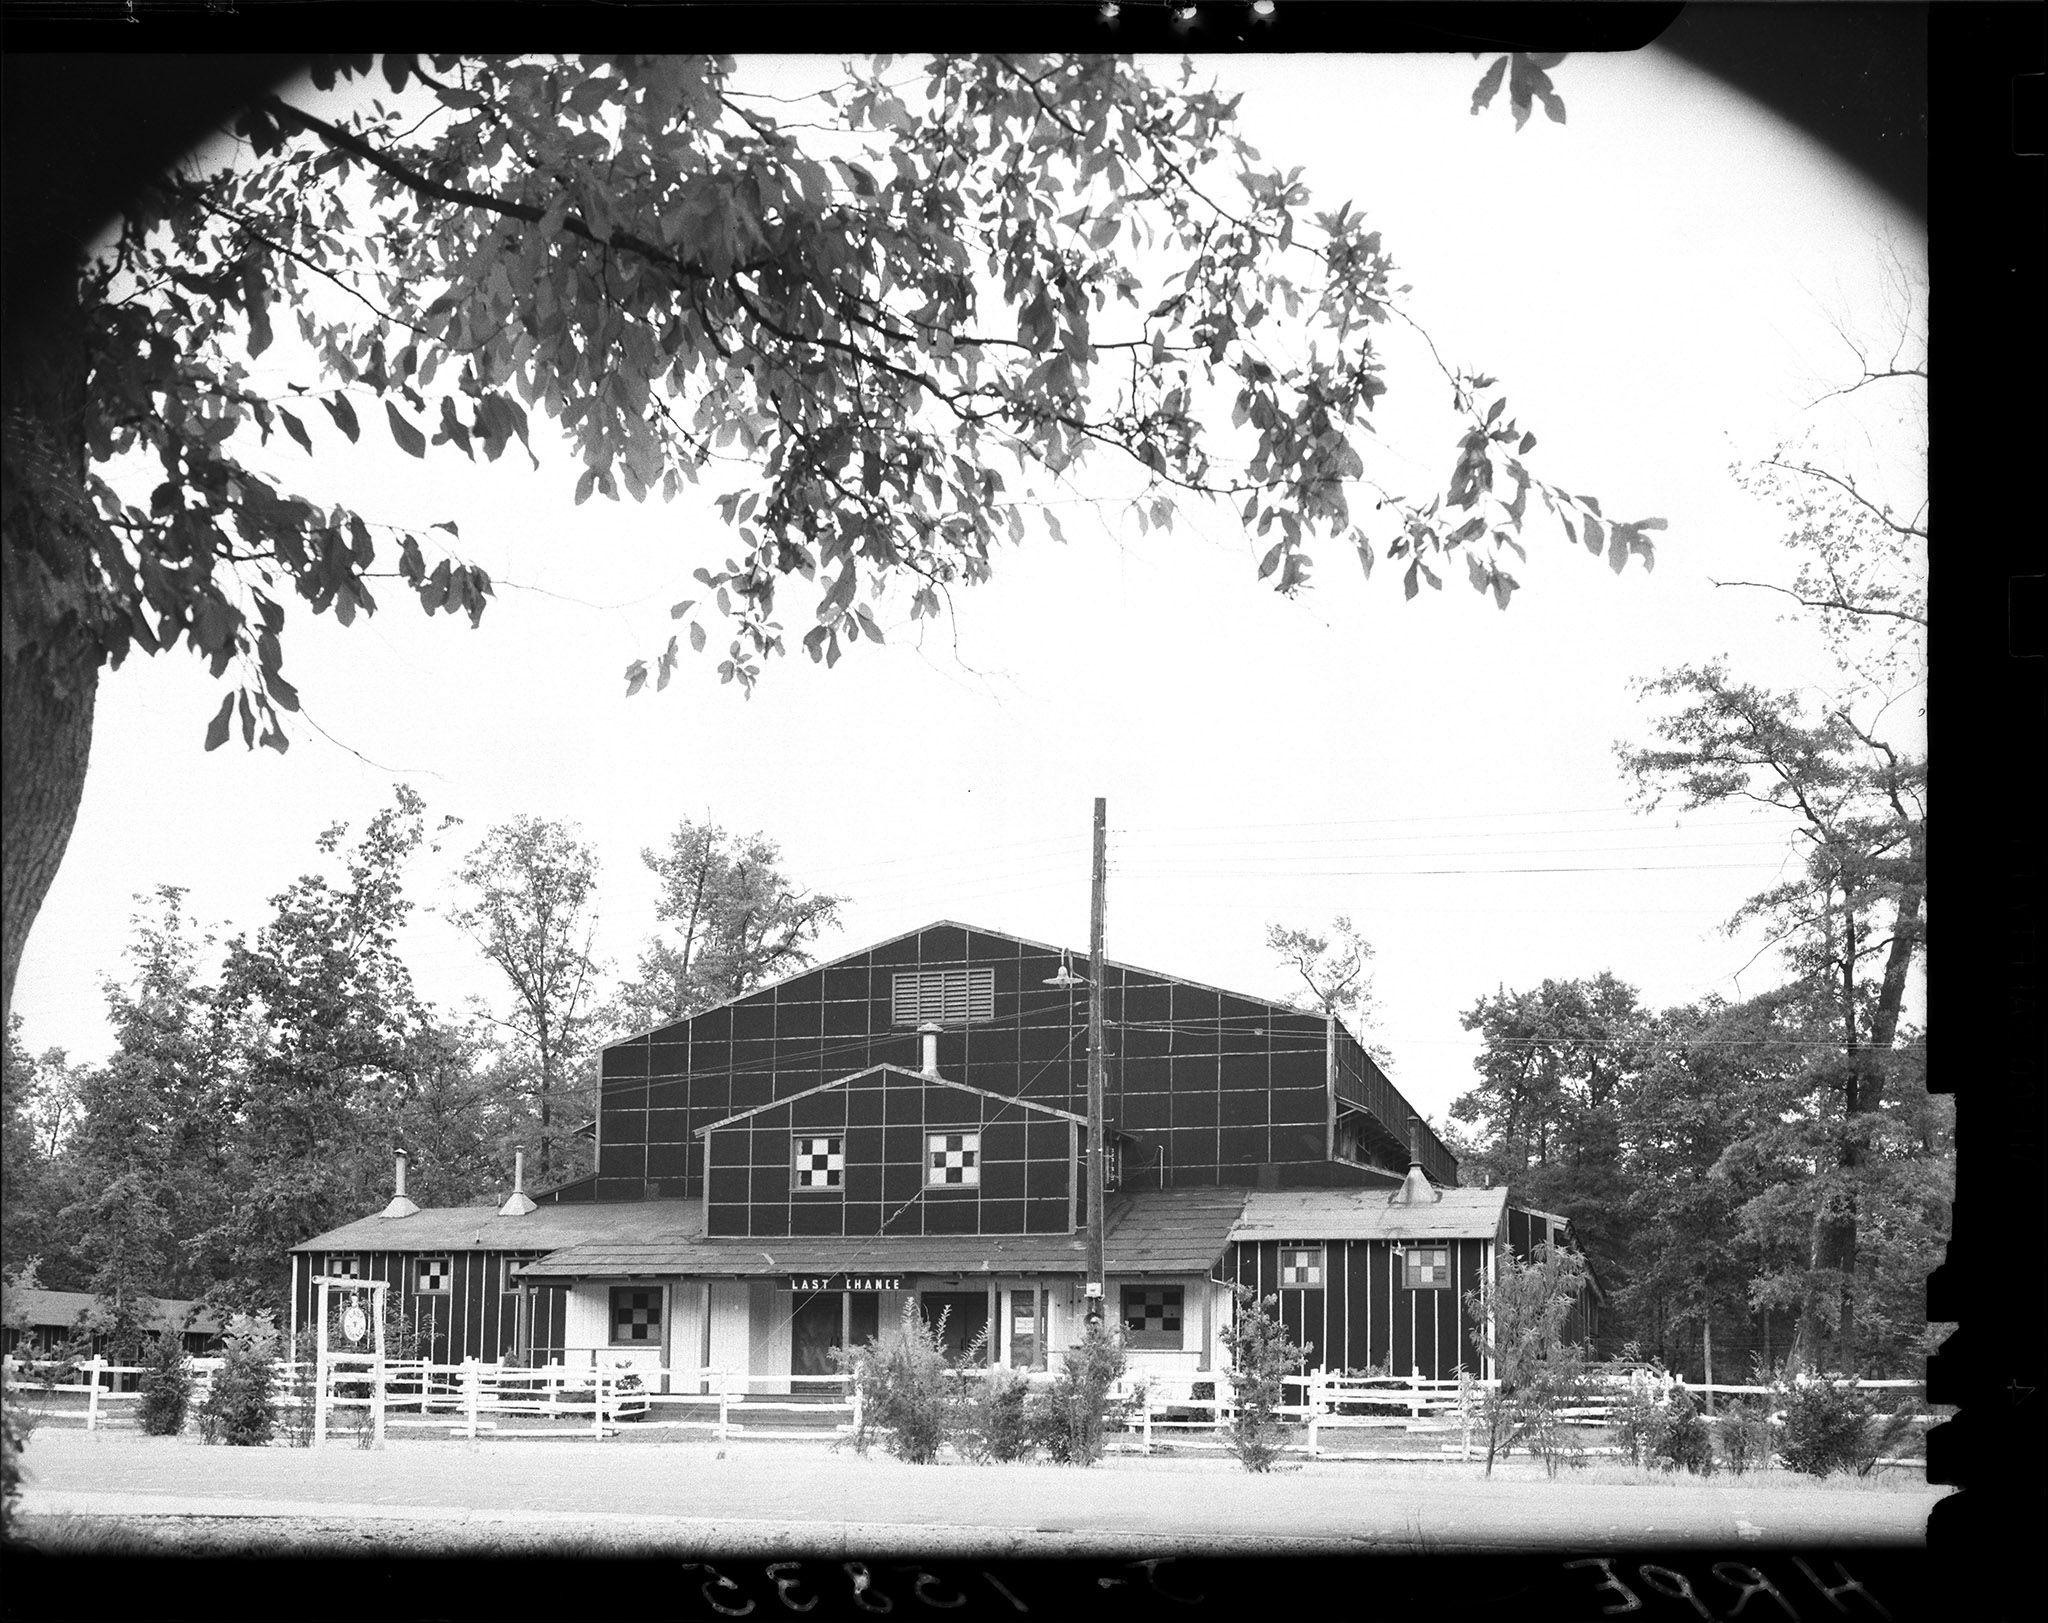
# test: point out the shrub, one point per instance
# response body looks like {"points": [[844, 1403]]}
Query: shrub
{"points": [[302, 1384], [1518, 1322], [1635, 1417], [15, 1425], [1261, 1357], [1827, 1426], [241, 1409], [1558, 1381], [1681, 1439], [991, 1421], [1744, 1433], [1066, 1420], [166, 1386], [902, 1382]]}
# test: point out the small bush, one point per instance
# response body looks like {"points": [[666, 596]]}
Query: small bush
{"points": [[1744, 1434], [1261, 1357], [991, 1422], [1635, 1417], [295, 1419], [1560, 1380], [1826, 1425], [902, 1381], [1067, 1419], [1681, 1439], [166, 1386], [241, 1410], [15, 1425]]}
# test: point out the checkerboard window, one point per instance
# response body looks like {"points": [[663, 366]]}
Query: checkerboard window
{"points": [[344, 1267], [953, 1161], [636, 1316], [951, 997], [1428, 1268], [1153, 1315], [817, 1164], [1301, 1267], [430, 1275]]}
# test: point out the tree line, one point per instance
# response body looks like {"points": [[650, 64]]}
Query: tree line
{"points": [[259, 1084], [1769, 1176]]}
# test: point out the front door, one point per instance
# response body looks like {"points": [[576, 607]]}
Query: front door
{"points": [[815, 1328], [960, 1317]]}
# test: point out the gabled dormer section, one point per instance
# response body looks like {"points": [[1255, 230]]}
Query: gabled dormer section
{"points": [[889, 1150]]}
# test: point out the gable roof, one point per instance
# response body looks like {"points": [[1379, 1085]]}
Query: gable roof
{"points": [[900, 1070], [1365, 1214], [1275, 1004]]}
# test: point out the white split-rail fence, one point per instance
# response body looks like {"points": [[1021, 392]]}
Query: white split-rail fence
{"points": [[474, 1399]]}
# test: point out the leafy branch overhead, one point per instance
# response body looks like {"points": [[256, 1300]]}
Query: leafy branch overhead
{"points": [[1528, 81], [899, 312]]}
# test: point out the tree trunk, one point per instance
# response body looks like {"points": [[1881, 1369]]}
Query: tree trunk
{"points": [[49, 655], [1707, 1350]]}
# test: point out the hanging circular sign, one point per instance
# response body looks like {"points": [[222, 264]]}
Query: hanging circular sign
{"points": [[354, 1323]]}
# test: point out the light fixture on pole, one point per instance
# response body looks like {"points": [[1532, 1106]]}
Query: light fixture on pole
{"points": [[1065, 979]]}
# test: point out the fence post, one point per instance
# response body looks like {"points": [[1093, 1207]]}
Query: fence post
{"points": [[91, 1370], [472, 1390], [853, 1386], [1313, 1394], [724, 1403], [1146, 1422], [1465, 1415], [597, 1403]]}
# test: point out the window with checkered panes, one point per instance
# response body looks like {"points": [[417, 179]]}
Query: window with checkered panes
{"points": [[344, 1268], [636, 1316], [1427, 1267], [1301, 1267], [431, 1276], [953, 1161], [817, 1163], [1153, 1315]]}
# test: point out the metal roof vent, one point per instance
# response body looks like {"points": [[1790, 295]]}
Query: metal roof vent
{"points": [[520, 1202], [400, 1206], [929, 1031], [1416, 1189]]}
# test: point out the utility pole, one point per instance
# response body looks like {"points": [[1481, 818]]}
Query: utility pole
{"points": [[1096, 1168]]}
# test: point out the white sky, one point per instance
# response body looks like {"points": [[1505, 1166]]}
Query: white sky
{"points": [[1654, 284]]}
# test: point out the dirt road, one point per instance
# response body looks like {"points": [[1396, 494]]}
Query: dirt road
{"points": [[767, 1498]]}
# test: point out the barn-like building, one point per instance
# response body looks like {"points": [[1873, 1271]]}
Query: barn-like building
{"points": [[781, 1174]]}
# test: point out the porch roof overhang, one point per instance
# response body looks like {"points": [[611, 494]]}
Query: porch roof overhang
{"points": [[1150, 1233]]}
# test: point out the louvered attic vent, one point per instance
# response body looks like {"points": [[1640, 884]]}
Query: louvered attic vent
{"points": [[951, 997]]}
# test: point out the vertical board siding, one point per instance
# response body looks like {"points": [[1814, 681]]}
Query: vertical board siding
{"points": [[1365, 1316]]}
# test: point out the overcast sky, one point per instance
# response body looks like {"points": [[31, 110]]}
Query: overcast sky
{"points": [[1658, 284]]}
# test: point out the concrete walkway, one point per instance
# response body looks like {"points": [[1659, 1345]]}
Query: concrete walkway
{"points": [[803, 1499]]}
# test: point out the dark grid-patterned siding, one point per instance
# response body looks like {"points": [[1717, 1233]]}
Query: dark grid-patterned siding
{"points": [[884, 1120], [1364, 1316], [1215, 1089], [474, 1319]]}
